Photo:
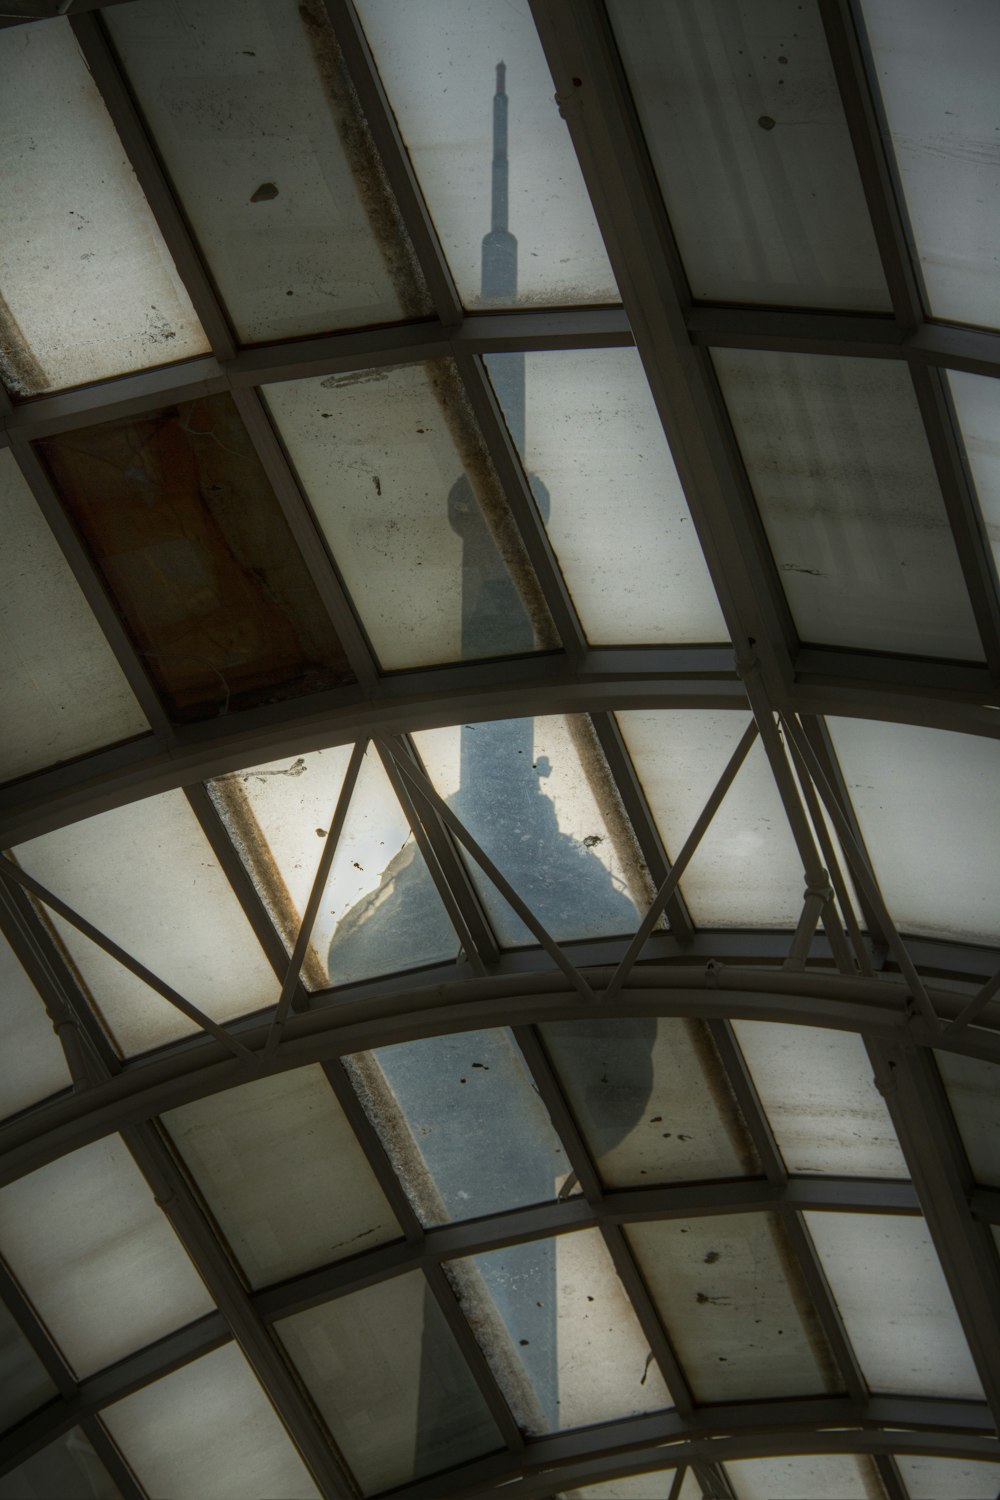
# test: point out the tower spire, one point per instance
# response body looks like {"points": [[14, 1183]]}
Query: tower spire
{"points": [[499, 265], [499, 215]]}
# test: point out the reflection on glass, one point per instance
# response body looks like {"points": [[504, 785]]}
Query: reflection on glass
{"points": [[32, 1062], [437, 61], [261, 130], [977, 405], [847, 1476], [192, 544], [69, 1468], [609, 492], [973, 1086], [845, 485], [389, 1379], [536, 796], [24, 1383], [651, 1099], [743, 120], [62, 689], [208, 1430], [559, 1332], [110, 299], [733, 1302]]}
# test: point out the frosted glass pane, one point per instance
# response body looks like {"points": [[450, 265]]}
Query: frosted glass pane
{"points": [[606, 484], [949, 1478], [974, 1094], [283, 1174], [438, 63], [92, 1250], [68, 1468], [209, 1430], [845, 485], [930, 815], [830, 1476], [977, 405], [32, 1062], [651, 1099], [110, 299], [737, 1315], [393, 465], [743, 119], [162, 896], [936, 70], [559, 1332], [636, 1487], [824, 1108], [24, 1384], [388, 1377], [746, 871], [263, 137], [62, 689], [895, 1304], [535, 795], [462, 1123]]}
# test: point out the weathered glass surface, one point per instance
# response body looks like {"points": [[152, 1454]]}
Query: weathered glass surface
{"points": [[387, 1375], [977, 406], [262, 133], [208, 1430], [32, 1062], [25, 1384], [560, 1334], [973, 1086], [69, 1468], [110, 299], [98, 1259], [604, 479], [743, 118], [933, 1478], [820, 1476], [735, 1307], [283, 1174], [845, 485], [62, 690], [536, 796], [189, 538]]}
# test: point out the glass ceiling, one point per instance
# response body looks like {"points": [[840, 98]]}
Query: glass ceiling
{"points": [[500, 783]]}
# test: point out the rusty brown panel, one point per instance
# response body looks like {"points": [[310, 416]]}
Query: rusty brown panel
{"points": [[192, 545]]}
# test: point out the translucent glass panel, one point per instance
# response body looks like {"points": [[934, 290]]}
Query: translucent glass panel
{"points": [[977, 405], [895, 1304], [62, 689], [69, 1468], [380, 911], [263, 136], [936, 73], [536, 796], [746, 871], [607, 487], [463, 1124], [192, 544], [651, 1099], [974, 1095], [743, 119], [845, 485], [282, 1172], [24, 1383], [92, 1250], [825, 1111], [110, 299], [438, 63], [209, 1430], [32, 1063], [384, 1369], [949, 1478], [927, 803], [559, 1332], [636, 1487], [395, 470], [728, 1292], [162, 896], [827, 1476]]}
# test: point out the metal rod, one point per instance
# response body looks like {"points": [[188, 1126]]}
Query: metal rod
{"points": [[975, 1007]]}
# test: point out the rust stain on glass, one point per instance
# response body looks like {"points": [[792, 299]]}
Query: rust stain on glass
{"points": [[196, 554]]}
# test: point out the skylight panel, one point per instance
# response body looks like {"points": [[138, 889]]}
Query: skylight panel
{"points": [[977, 405], [973, 1087], [32, 1062], [745, 125], [388, 1377], [438, 62], [820, 1476], [87, 282], [607, 488], [260, 127], [845, 485], [98, 1259], [68, 1467], [26, 1384], [931, 1478]]}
